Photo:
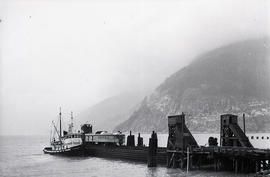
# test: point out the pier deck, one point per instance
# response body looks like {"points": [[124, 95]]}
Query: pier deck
{"points": [[235, 152]]}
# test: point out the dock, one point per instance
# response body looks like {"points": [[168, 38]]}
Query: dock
{"points": [[235, 152]]}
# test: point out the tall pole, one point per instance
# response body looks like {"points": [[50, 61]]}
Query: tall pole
{"points": [[60, 124], [71, 123], [220, 133], [182, 131], [187, 159], [244, 123]]}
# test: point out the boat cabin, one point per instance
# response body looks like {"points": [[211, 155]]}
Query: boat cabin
{"points": [[103, 137]]}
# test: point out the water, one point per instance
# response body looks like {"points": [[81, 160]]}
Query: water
{"points": [[22, 156]]}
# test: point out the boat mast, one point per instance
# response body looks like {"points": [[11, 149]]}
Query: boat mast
{"points": [[60, 124], [56, 130], [71, 124]]}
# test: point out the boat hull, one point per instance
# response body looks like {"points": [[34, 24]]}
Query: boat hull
{"points": [[124, 153], [74, 151]]}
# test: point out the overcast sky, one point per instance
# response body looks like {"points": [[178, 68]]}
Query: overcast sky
{"points": [[75, 53]]}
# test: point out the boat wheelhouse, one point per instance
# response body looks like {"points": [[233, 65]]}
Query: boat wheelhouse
{"points": [[72, 140]]}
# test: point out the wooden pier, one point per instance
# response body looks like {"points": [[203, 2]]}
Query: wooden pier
{"points": [[235, 153]]}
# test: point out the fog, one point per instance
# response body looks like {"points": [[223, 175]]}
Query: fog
{"points": [[76, 53]]}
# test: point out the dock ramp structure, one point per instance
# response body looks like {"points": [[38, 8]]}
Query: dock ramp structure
{"points": [[179, 141], [235, 152], [230, 132]]}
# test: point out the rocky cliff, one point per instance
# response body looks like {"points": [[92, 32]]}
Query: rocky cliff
{"points": [[231, 79]]}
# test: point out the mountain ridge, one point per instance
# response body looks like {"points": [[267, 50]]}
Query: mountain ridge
{"points": [[231, 79], [106, 114]]}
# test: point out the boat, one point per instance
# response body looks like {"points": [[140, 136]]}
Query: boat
{"points": [[69, 143], [76, 143]]}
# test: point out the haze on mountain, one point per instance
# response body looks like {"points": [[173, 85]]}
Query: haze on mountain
{"points": [[83, 52], [110, 112], [231, 79]]}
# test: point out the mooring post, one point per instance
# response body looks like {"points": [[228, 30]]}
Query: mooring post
{"points": [[130, 140], [152, 150], [140, 140]]}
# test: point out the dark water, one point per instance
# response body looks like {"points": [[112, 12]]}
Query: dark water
{"points": [[23, 156]]}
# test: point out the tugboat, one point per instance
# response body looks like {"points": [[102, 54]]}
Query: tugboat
{"points": [[70, 143], [75, 143]]}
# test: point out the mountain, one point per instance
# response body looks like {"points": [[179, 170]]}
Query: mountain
{"points": [[112, 111], [230, 79]]}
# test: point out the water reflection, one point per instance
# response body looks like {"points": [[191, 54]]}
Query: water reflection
{"points": [[151, 172]]}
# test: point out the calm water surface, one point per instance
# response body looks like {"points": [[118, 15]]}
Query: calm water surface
{"points": [[23, 156]]}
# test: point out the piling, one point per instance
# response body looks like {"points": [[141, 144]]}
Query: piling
{"points": [[140, 140], [188, 161], [130, 140], [152, 150]]}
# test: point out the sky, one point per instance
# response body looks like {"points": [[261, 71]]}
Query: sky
{"points": [[75, 53]]}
